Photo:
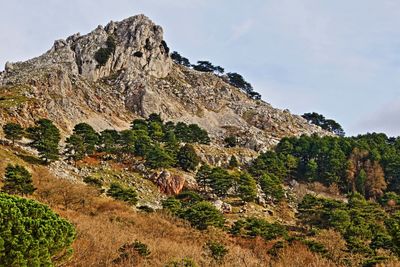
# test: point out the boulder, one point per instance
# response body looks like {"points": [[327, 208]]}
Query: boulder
{"points": [[171, 184]]}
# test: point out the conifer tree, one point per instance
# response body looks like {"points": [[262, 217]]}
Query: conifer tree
{"points": [[45, 138], [18, 181], [187, 158], [13, 131]]}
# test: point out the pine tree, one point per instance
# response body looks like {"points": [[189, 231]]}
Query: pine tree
{"points": [[360, 182], [171, 143], [18, 181], [158, 158], [203, 176], [220, 181], [45, 138], [272, 186], [82, 142], [109, 140], [32, 234], [187, 158], [247, 188], [13, 131]]}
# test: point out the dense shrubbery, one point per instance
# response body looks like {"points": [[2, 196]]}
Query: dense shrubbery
{"points": [[31, 234], [217, 251]]}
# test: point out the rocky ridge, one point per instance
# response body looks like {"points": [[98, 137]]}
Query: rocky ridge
{"points": [[68, 85]]}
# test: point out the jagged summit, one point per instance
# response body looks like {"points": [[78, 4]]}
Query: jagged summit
{"points": [[122, 71], [138, 46]]}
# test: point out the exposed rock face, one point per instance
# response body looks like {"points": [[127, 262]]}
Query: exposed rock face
{"points": [[68, 85], [170, 184]]}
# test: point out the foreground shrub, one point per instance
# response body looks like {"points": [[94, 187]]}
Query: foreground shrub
{"points": [[31, 234]]}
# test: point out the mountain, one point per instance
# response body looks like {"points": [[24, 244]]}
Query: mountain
{"points": [[134, 78], [193, 169]]}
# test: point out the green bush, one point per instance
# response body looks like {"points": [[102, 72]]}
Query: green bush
{"points": [[122, 193], [188, 198], [172, 205], [157, 157], [247, 187], [31, 234], [233, 163], [202, 215], [230, 141], [258, 227], [217, 251]]}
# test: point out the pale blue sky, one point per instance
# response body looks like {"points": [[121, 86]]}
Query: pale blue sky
{"points": [[340, 58]]}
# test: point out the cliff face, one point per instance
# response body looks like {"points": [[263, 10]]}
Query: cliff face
{"points": [[68, 85]]}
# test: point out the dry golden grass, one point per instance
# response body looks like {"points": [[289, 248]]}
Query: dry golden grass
{"points": [[298, 255], [104, 225]]}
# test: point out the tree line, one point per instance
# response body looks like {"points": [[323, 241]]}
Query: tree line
{"points": [[232, 78], [368, 164]]}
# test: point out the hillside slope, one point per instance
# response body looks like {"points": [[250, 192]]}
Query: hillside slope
{"points": [[136, 77]]}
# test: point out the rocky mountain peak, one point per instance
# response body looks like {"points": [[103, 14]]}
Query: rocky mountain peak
{"points": [[123, 71], [134, 45]]}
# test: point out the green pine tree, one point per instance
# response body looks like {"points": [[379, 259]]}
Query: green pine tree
{"points": [[13, 131], [187, 158], [32, 234], [247, 187], [45, 138], [17, 181]]}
